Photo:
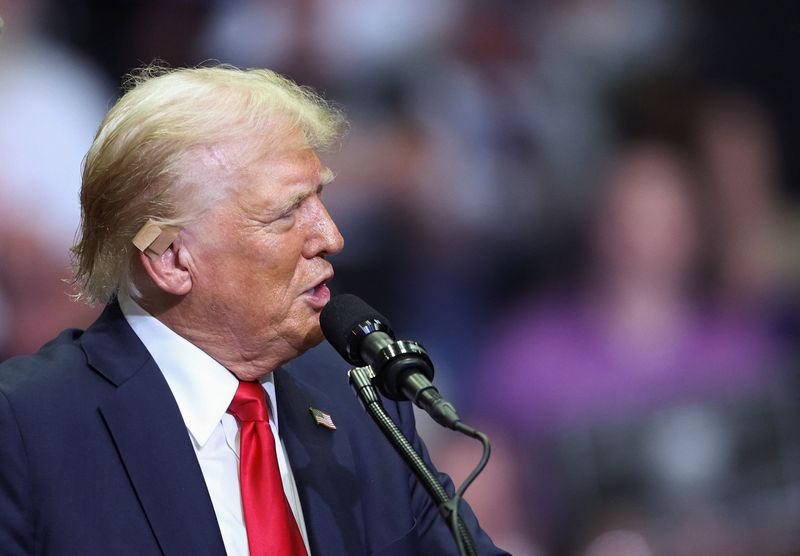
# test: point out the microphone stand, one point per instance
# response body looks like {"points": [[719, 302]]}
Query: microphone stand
{"points": [[361, 381]]}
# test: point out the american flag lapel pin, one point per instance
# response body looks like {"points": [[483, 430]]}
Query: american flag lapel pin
{"points": [[322, 419]]}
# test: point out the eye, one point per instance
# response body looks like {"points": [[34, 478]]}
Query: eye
{"points": [[290, 212], [285, 219]]}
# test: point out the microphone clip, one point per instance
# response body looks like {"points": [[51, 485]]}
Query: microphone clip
{"points": [[398, 360]]}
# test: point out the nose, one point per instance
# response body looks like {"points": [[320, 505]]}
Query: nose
{"points": [[325, 238]]}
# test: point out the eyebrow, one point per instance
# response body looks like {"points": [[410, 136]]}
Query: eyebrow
{"points": [[327, 177]]}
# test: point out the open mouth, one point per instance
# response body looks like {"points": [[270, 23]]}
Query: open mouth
{"points": [[318, 296], [315, 291]]}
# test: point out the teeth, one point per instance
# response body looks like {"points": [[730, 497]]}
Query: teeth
{"points": [[315, 289]]}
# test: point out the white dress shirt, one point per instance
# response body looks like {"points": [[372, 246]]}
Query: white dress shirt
{"points": [[204, 389]]}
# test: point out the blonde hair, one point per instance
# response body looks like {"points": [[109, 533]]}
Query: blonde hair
{"points": [[142, 153]]}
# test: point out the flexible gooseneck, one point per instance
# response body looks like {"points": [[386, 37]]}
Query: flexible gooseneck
{"points": [[361, 381]]}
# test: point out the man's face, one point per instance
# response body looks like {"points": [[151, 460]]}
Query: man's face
{"points": [[258, 256]]}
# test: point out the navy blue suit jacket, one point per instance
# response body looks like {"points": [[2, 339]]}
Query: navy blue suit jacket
{"points": [[95, 459]]}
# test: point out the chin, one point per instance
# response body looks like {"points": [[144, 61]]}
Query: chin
{"points": [[313, 338]]}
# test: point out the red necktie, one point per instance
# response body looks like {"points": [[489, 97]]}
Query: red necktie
{"points": [[271, 527]]}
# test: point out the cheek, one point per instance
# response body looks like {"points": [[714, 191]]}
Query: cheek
{"points": [[274, 266], [269, 274], [251, 266]]}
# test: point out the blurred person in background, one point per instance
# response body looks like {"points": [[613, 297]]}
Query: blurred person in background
{"points": [[756, 257], [51, 101], [623, 397]]}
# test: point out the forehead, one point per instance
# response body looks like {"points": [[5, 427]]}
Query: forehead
{"points": [[256, 161], [286, 169]]}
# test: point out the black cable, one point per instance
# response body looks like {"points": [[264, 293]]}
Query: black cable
{"points": [[487, 451]]}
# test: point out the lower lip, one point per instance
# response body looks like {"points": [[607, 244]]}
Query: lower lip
{"points": [[319, 297]]}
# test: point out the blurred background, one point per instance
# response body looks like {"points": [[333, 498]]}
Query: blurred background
{"points": [[586, 210]]}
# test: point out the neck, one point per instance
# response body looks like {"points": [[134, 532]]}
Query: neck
{"points": [[246, 360]]}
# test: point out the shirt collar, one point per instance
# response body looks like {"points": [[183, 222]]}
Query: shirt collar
{"points": [[202, 387]]}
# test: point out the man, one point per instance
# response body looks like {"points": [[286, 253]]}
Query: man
{"points": [[204, 231]]}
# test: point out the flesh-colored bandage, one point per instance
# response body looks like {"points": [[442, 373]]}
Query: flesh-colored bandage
{"points": [[154, 238]]}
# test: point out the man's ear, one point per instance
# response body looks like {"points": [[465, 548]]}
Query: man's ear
{"points": [[169, 271]]}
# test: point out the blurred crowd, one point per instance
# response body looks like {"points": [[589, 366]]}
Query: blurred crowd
{"points": [[577, 206]]}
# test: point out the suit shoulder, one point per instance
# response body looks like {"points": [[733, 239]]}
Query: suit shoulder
{"points": [[46, 368]]}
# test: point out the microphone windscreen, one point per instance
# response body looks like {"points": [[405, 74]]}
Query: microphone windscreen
{"points": [[340, 319]]}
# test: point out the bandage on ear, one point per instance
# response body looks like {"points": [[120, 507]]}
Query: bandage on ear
{"points": [[153, 238]]}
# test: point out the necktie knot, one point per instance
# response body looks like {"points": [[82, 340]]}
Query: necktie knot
{"points": [[248, 403]]}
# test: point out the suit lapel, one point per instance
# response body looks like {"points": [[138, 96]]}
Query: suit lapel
{"points": [[149, 433], [323, 467]]}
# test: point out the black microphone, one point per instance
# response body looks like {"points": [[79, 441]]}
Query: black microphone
{"points": [[403, 369]]}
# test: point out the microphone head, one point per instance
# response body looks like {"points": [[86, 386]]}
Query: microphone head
{"points": [[346, 320]]}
